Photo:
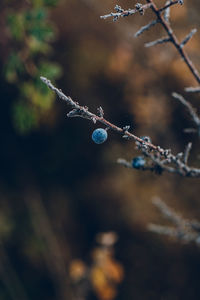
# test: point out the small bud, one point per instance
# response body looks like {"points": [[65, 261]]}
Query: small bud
{"points": [[146, 139]]}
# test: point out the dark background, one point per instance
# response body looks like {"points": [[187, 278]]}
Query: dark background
{"points": [[58, 189]]}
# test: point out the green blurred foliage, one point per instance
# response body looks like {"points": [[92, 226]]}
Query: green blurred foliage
{"points": [[30, 35]]}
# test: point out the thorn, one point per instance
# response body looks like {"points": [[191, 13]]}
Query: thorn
{"points": [[100, 112], [157, 42], [73, 113], [192, 89], [146, 27], [167, 12], [188, 37], [187, 153], [126, 128]]}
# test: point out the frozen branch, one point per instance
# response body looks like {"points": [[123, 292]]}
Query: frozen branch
{"points": [[162, 159], [170, 163], [82, 111], [157, 164], [120, 12]]}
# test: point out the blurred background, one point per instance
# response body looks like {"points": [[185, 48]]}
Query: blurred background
{"points": [[59, 190]]}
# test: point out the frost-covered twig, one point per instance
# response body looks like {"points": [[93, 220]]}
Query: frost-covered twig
{"points": [[184, 230], [120, 12], [162, 158], [157, 164], [82, 111]]}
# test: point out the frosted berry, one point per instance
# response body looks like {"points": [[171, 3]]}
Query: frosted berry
{"points": [[138, 162], [99, 135]]}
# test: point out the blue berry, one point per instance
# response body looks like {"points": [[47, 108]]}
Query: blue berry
{"points": [[99, 135], [138, 162]]}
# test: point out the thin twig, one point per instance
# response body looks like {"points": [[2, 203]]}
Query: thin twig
{"points": [[188, 37], [124, 162], [157, 42], [187, 153], [168, 5], [166, 211], [146, 27], [120, 12], [167, 11], [192, 89]]}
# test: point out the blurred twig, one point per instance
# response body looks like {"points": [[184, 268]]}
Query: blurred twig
{"points": [[192, 111], [10, 278], [190, 108], [184, 230], [53, 257]]}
